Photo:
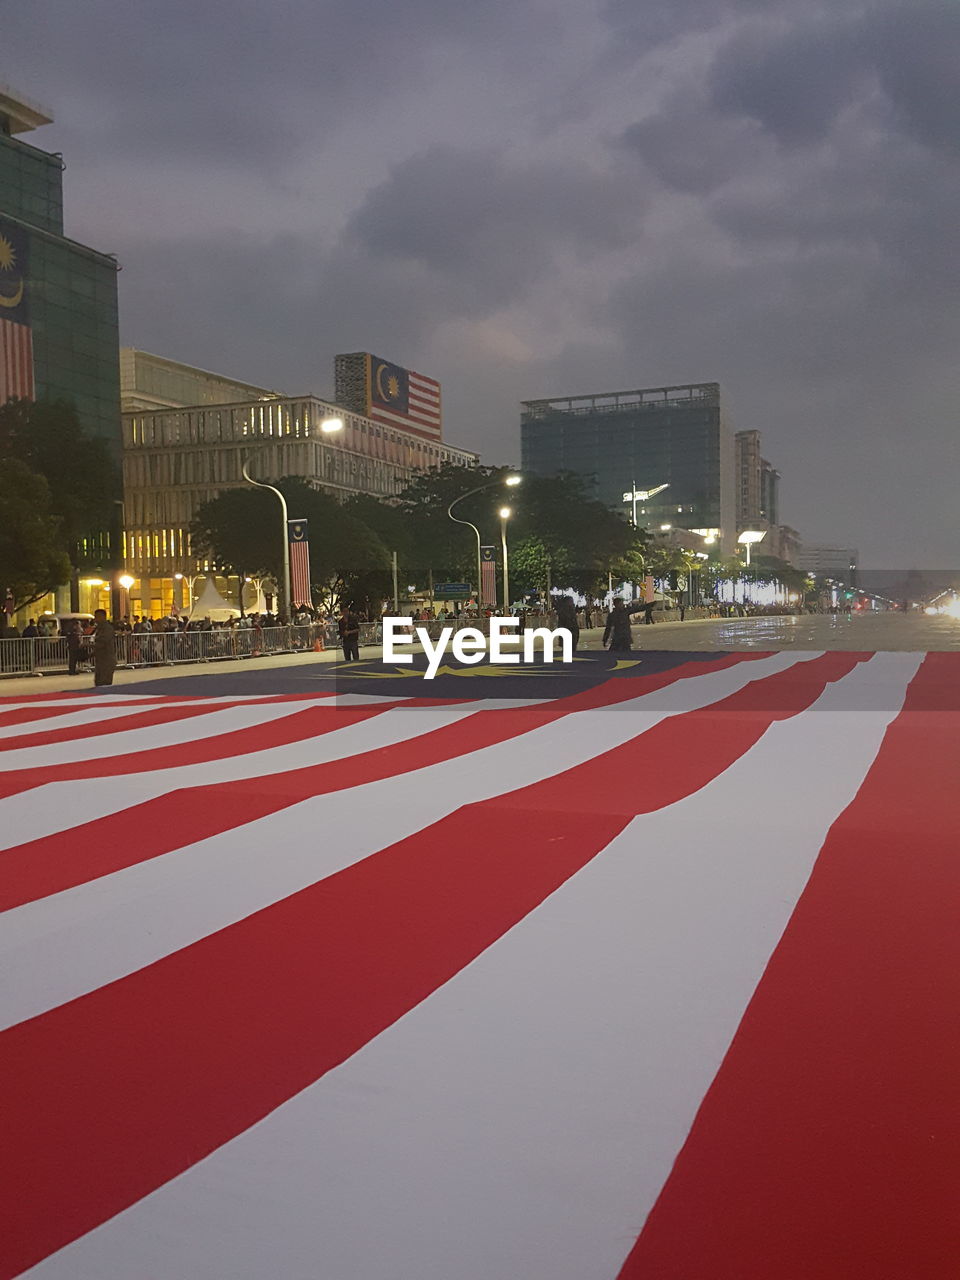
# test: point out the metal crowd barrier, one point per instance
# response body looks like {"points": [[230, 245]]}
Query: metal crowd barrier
{"points": [[167, 648]]}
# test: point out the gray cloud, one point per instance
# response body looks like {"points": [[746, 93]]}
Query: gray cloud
{"points": [[536, 199]]}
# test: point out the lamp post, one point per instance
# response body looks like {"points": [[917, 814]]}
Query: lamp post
{"points": [[328, 426], [511, 481], [505, 514], [285, 584], [749, 537], [642, 495]]}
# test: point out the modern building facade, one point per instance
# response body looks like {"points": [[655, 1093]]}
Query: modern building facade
{"points": [[153, 382], [838, 563], [178, 457], [749, 466], [656, 436], [66, 342]]}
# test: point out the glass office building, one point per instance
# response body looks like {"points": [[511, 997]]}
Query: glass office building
{"points": [[70, 291], [658, 436]]}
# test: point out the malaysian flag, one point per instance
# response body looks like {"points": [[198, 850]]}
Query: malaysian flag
{"points": [[16, 336], [401, 398], [488, 575], [655, 980], [299, 562]]}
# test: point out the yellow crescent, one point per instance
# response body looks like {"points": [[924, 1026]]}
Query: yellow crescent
{"points": [[383, 394], [15, 300]]}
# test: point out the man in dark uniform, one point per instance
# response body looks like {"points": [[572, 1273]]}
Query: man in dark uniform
{"points": [[567, 617], [617, 630], [349, 627], [104, 649]]}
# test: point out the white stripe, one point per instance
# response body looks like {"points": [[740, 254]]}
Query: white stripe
{"points": [[383, 415], [72, 942], [521, 1121], [152, 737], [76, 718], [59, 806], [428, 386]]}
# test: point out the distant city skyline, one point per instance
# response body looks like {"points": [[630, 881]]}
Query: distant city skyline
{"points": [[523, 201]]}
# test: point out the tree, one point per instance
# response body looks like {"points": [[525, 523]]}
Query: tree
{"points": [[32, 559], [239, 532], [80, 470]]}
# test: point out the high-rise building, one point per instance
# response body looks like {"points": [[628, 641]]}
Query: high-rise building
{"points": [[769, 493], [672, 439], [58, 324], [749, 468]]}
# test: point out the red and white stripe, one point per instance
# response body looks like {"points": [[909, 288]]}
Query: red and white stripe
{"points": [[16, 361], [300, 572], [424, 409], [655, 981]]}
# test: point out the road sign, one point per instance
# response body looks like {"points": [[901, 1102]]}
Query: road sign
{"points": [[453, 590]]}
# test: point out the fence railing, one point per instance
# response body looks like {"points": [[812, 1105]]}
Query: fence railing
{"points": [[42, 654]]}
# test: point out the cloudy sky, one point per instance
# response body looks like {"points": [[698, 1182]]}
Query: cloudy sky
{"points": [[529, 198]]}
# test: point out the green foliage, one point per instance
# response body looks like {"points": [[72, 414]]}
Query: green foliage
{"points": [[81, 474], [32, 558]]}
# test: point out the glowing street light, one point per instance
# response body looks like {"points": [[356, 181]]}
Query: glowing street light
{"points": [[511, 481], [505, 514], [749, 537], [635, 495]]}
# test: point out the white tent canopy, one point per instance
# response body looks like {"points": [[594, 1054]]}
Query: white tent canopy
{"points": [[212, 605]]}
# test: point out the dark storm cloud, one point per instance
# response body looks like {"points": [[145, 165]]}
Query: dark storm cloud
{"points": [[545, 198], [251, 81], [485, 229]]}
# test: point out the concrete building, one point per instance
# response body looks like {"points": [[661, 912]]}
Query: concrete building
{"points": [[676, 437], [177, 457], [153, 382], [828, 561], [769, 493], [749, 464]]}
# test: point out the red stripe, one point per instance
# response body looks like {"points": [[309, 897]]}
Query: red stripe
{"points": [[119, 724], [111, 1095], [261, 737], [828, 1147], [38, 868]]}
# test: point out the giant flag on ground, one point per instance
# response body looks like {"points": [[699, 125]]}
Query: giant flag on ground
{"points": [[656, 980]]}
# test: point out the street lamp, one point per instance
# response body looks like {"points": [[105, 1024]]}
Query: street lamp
{"points": [[505, 514], [511, 481], [285, 601], [749, 537], [642, 495]]}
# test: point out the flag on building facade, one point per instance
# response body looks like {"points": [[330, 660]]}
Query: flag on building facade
{"points": [[401, 398], [16, 336], [488, 575], [299, 563], [652, 980]]}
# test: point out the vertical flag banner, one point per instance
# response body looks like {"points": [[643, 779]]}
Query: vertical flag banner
{"points": [[488, 575], [16, 336], [299, 562]]}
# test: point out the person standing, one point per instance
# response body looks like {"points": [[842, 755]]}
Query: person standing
{"points": [[74, 647], [567, 618], [617, 630], [104, 649], [349, 628]]}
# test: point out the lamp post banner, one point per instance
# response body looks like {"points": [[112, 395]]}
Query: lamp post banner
{"points": [[488, 575], [299, 540]]}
